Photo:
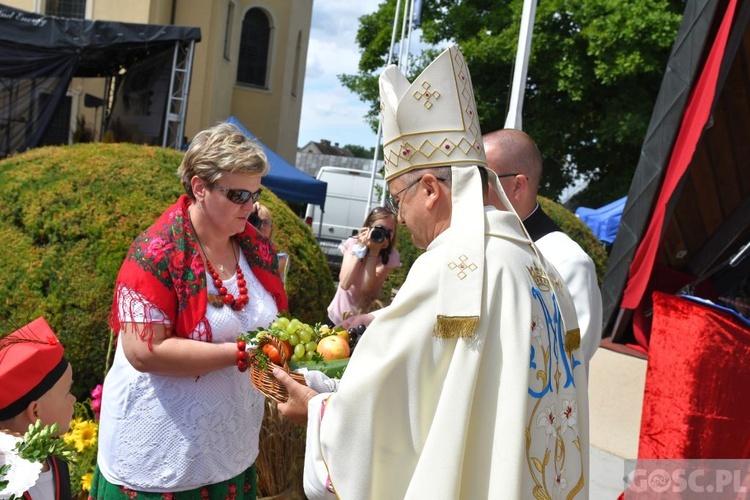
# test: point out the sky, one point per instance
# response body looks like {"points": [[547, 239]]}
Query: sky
{"points": [[329, 110]]}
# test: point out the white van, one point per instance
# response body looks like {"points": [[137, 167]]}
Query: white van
{"points": [[345, 207]]}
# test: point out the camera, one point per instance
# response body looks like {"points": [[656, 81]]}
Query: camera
{"points": [[379, 233]]}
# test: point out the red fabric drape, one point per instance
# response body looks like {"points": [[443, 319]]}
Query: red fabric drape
{"points": [[691, 129], [695, 402]]}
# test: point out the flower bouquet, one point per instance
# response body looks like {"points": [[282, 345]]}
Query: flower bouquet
{"points": [[22, 457]]}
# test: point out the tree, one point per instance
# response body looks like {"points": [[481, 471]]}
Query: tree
{"points": [[594, 72], [361, 151]]}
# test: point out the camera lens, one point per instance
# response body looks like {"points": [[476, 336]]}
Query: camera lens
{"points": [[378, 234]]}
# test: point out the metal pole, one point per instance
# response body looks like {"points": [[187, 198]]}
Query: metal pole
{"points": [[513, 120], [403, 37], [375, 156], [410, 17]]}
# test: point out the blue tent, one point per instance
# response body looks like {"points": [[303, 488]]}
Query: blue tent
{"points": [[605, 220], [285, 180]]}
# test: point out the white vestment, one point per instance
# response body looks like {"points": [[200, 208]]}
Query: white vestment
{"points": [[500, 414], [579, 274]]}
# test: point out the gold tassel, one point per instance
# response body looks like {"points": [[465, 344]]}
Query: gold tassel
{"points": [[452, 327], [572, 340]]}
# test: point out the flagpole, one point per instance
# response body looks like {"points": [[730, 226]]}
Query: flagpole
{"points": [[376, 154], [513, 120]]}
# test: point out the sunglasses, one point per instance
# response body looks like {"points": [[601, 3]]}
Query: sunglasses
{"points": [[239, 196]]}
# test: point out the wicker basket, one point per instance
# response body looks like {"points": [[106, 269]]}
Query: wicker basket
{"points": [[263, 378]]}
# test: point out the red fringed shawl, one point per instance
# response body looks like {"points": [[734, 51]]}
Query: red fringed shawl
{"points": [[165, 267]]}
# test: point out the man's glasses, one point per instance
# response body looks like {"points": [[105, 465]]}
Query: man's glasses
{"points": [[506, 175], [239, 196], [391, 202]]}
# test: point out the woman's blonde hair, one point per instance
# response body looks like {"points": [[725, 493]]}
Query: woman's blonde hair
{"points": [[219, 150]]}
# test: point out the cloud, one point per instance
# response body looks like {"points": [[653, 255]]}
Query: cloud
{"points": [[330, 111]]}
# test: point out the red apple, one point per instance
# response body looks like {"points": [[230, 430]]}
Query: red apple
{"points": [[333, 347]]}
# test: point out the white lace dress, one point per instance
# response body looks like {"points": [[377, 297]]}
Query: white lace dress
{"points": [[167, 434]]}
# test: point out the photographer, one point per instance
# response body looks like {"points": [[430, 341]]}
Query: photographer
{"points": [[368, 258]]}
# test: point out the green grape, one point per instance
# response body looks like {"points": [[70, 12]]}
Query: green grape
{"points": [[299, 351], [291, 328], [311, 346], [283, 335], [293, 340], [304, 336], [309, 355], [275, 325], [283, 322]]}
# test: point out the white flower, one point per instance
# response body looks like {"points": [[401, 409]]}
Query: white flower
{"points": [[536, 328], [568, 416], [23, 474], [547, 419], [560, 484]]}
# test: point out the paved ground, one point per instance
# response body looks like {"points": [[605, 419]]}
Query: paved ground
{"points": [[607, 471], [616, 383]]}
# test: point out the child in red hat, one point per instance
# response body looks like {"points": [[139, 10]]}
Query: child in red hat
{"points": [[36, 379]]}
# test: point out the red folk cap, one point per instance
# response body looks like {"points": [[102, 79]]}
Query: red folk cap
{"points": [[31, 362]]}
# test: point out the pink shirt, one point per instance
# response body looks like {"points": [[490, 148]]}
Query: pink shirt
{"points": [[352, 300]]}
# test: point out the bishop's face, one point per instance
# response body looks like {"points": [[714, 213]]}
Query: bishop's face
{"points": [[410, 201]]}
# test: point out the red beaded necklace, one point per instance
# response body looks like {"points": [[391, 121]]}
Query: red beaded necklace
{"points": [[227, 298], [224, 297]]}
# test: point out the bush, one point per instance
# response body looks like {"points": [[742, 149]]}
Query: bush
{"points": [[68, 217], [568, 222]]}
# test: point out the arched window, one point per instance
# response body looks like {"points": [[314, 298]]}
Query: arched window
{"points": [[73, 9], [252, 67]]}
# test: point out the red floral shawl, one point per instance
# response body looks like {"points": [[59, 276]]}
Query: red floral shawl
{"points": [[165, 267]]}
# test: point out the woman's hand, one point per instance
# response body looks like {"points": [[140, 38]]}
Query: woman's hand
{"points": [[295, 408], [360, 319], [373, 247]]}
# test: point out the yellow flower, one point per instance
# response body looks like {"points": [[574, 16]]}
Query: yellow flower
{"points": [[88, 432], [68, 437], [82, 435], [86, 481]]}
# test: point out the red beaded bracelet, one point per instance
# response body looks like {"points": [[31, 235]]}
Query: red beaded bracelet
{"points": [[241, 356]]}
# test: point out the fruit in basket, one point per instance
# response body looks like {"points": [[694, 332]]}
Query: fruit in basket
{"points": [[273, 353], [333, 347], [343, 334], [355, 333]]}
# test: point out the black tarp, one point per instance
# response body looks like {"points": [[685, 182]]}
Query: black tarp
{"points": [[39, 55], [683, 64], [694, 38]]}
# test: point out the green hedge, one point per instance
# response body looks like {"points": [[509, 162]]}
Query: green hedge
{"points": [[67, 219], [563, 217]]}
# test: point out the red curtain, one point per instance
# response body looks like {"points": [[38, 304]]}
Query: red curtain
{"points": [[691, 129], [696, 402]]}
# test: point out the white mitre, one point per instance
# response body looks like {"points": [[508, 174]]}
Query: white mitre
{"points": [[433, 123]]}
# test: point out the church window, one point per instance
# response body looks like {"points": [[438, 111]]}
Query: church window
{"points": [[255, 42]]}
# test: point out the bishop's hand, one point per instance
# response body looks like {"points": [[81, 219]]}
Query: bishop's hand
{"points": [[295, 408]]}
